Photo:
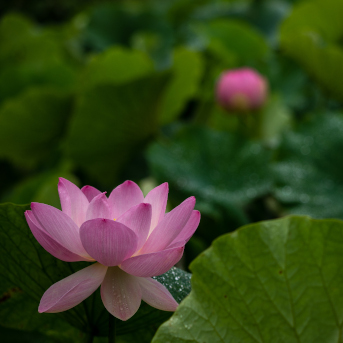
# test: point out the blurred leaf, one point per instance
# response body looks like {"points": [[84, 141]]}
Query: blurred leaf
{"points": [[156, 44], [115, 66], [12, 335], [233, 37], [311, 36], [274, 281], [323, 17], [14, 79], [40, 188], [187, 71], [30, 43], [267, 17], [178, 11], [112, 123], [266, 124], [291, 82], [27, 266], [111, 24], [275, 118], [30, 56], [309, 172], [144, 335], [221, 170], [31, 125], [19, 318]]}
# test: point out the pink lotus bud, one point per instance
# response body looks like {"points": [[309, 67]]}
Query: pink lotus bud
{"points": [[241, 90]]}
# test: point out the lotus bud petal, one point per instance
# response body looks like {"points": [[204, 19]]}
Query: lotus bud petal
{"points": [[241, 90]]}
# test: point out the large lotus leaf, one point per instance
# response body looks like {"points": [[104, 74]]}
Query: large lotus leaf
{"points": [[158, 45], [139, 26], [179, 11], [309, 171], [30, 271], [20, 320], [12, 335], [115, 66], [221, 170], [325, 17], [266, 125], [31, 56], [311, 36], [40, 188], [31, 125], [266, 16], [29, 40], [187, 70], [114, 24], [111, 123], [235, 37], [274, 281]]}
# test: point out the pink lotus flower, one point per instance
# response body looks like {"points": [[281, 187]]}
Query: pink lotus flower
{"points": [[241, 90], [130, 237]]}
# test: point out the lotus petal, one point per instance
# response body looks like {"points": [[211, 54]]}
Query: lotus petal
{"points": [[99, 208], [49, 244], [189, 229], [108, 241], [178, 244], [156, 295], [152, 264], [157, 197], [90, 192], [169, 227], [121, 293], [60, 227], [125, 196], [138, 219], [72, 290], [74, 203]]}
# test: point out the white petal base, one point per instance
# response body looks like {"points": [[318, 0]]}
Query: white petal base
{"points": [[156, 295]]}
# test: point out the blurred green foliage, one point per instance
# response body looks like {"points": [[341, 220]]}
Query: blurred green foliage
{"points": [[103, 91], [312, 35]]}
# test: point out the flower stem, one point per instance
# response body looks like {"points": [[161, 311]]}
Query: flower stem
{"points": [[111, 329]]}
